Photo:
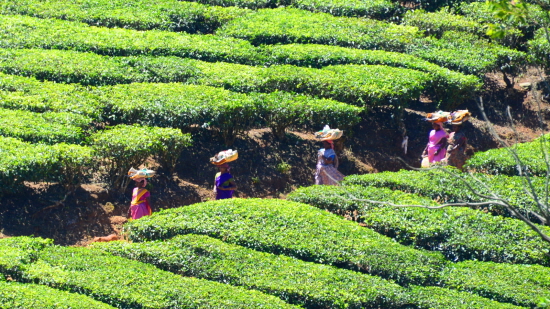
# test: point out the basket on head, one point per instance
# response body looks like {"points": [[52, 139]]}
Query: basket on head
{"points": [[143, 173], [459, 117], [329, 134], [225, 156], [439, 116]]}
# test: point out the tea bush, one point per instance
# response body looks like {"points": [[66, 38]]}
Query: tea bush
{"points": [[457, 51], [30, 32], [441, 186], [302, 283], [124, 283], [297, 230], [501, 162], [126, 146], [16, 295], [27, 93], [22, 161], [49, 128], [460, 233], [522, 285], [168, 15], [359, 85]]}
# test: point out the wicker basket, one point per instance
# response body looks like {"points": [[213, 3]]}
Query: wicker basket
{"points": [[225, 157]]}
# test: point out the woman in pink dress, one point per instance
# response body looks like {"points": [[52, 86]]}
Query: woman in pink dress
{"points": [[140, 200], [437, 144]]}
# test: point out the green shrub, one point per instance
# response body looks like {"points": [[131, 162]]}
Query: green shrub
{"points": [[124, 283], [29, 32], [469, 54], [539, 47], [517, 33], [27, 93], [17, 295], [500, 161], [436, 23], [280, 110], [434, 297], [457, 51], [441, 186], [126, 146], [521, 285], [21, 161], [447, 87], [288, 25], [49, 128], [359, 85], [171, 15], [307, 284], [297, 230], [459, 233]]}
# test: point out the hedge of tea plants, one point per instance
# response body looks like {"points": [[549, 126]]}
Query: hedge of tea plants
{"points": [[30, 32], [502, 162], [310, 285], [126, 146], [120, 282], [171, 15], [307, 284], [49, 128], [28, 93], [522, 285], [297, 230], [442, 186], [360, 85], [22, 161], [459, 233], [468, 54], [14, 295], [185, 16]]}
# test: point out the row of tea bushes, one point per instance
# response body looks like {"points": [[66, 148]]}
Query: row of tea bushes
{"points": [[14, 295], [29, 32], [307, 284], [49, 128], [117, 149], [310, 234], [170, 15], [297, 282], [522, 285], [19, 32], [22, 161], [539, 47], [178, 106], [437, 23], [501, 161], [469, 54], [185, 16], [361, 85], [484, 14], [126, 146], [459, 233], [296, 230], [120, 282], [448, 186], [30, 94]]}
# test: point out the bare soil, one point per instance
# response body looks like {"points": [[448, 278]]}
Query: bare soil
{"points": [[268, 168]]}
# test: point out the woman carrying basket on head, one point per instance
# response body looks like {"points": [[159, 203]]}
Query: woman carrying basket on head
{"points": [[436, 149], [140, 205], [456, 151], [327, 161], [224, 184]]}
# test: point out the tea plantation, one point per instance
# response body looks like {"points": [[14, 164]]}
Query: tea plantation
{"points": [[90, 88]]}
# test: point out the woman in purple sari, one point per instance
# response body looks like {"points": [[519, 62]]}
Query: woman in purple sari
{"points": [[436, 148], [224, 184]]}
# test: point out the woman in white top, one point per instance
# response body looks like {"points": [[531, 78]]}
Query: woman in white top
{"points": [[327, 164]]}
